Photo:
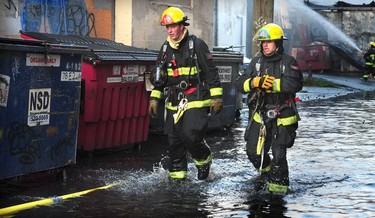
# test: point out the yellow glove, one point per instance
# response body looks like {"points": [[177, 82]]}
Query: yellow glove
{"points": [[264, 82], [153, 108], [216, 105], [267, 81]]}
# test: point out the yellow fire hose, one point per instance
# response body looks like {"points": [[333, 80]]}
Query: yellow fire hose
{"points": [[52, 200]]}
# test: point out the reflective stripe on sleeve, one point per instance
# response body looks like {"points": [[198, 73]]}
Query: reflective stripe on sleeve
{"points": [[218, 91], [276, 87], [156, 94], [246, 85]]}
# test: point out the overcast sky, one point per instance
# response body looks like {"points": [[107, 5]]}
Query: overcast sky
{"points": [[332, 2]]}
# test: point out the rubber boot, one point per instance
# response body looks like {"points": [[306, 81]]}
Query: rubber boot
{"points": [[204, 171]]}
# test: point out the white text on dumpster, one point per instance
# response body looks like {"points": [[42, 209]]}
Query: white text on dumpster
{"points": [[39, 107]]}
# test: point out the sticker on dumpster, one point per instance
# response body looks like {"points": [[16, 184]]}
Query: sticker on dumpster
{"points": [[4, 89], [130, 74], [116, 71], [39, 107], [114, 79], [42, 60], [142, 70], [70, 76], [225, 73]]}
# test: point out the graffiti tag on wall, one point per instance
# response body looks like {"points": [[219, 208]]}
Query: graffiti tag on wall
{"points": [[10, 8], [68, 17]]}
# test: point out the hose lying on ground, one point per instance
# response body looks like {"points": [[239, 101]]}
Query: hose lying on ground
{"points": [[50, 201]]}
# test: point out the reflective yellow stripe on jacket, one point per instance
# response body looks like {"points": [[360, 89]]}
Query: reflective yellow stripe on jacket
{"points": [[183, 71], [285, 121], [192, 104]]}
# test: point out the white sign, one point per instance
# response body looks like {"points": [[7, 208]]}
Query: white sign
{"points": [[70, 76], [114, 79], [130, 74], [225, 73], [4, 89], [116, 71], [39, 107], [42, 60]]}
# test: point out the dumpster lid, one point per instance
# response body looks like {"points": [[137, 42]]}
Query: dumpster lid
{"points": [[101, 49], [36, 42]]}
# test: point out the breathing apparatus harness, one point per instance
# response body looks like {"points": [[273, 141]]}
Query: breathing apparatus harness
{"points": [[184, 87], [267, 112]]}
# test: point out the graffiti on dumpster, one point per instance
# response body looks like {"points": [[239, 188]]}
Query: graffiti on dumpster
{"points": [[225, 73], [39, 107], [61, 147], [15, 67], [4, 89], [24, 141]]}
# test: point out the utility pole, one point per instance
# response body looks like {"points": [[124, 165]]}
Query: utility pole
{"points": [[263, 11]]}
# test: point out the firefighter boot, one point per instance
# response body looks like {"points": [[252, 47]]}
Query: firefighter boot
{"points": [[204, 171]]}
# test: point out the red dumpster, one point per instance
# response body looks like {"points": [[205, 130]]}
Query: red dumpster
{"points": [[114, 100]]}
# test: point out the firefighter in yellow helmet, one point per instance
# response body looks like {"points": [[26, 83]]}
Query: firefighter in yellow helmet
{"points": [[187, 76], [271, 81], [369, 57]]}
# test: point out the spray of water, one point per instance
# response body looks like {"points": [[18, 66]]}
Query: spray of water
{"points": [[303, 12]]}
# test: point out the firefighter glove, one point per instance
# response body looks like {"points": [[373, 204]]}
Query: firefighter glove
{"points": [[264, 82], [153, 108], [216, 105]]}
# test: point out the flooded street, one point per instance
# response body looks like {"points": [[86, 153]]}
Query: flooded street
{"points": [[331, 172]]}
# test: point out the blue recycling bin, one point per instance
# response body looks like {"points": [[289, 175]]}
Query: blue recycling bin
{"points": [[40, 86]]}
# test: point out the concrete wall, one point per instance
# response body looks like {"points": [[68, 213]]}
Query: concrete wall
{"points": [[147, 32], [357, 25], [10, 18]]}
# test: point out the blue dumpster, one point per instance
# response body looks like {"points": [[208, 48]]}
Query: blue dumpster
{"points": [[40, 87], [229, 65]]}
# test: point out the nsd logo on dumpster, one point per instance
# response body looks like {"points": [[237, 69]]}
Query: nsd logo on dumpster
{"points": [[39, 107]]}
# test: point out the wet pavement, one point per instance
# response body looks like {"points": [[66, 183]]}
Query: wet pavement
{"points": [[331, 170]]}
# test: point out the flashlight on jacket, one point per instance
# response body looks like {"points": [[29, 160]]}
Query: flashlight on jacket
{"points": [[158, 77]]}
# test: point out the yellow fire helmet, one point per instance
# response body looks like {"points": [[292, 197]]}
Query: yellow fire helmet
{"points": [[372, 44], [173, 15], [270, 31]]}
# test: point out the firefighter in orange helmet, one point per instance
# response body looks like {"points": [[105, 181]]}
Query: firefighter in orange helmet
{"points": [[186, 74], [271, 81]]}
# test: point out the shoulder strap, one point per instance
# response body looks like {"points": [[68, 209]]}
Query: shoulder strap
{"points": [[191, 45]]}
